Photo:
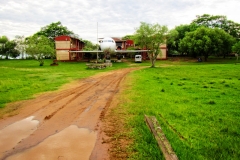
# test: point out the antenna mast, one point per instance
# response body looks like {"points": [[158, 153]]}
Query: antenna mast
{"points": [[97, 42]]}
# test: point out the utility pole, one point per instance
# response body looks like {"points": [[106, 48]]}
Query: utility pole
{"points": [[97, 42]]}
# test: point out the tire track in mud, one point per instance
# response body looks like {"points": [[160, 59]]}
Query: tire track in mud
{"points": [[84, 105], [76, 96], [67, 93]]}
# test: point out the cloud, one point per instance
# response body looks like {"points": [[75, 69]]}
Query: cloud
{"points": [[114, 18]]}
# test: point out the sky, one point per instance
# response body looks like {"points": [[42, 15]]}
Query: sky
{"points": [[106, 18]]}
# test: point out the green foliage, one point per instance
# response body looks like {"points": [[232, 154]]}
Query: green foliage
{"points": [[127, 37], [236, 47], [200, 122], [20, 44], [89, 46], [219, 21], [206, 41], [39, 47], [7, 48], [205, 20], [151, 36], [172, 40], [175, 35], [55, 29], [3, 39]]}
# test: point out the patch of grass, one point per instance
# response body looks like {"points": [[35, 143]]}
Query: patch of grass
{"points": [[22, 79], [200, 122]]}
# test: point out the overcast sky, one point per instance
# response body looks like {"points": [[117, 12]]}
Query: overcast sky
{"points": [[115, 18]]}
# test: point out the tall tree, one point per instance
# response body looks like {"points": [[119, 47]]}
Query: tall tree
{"points": [[3, 41], [89, 46], [7, 48], [39, 47], [151, 36], [219, 21], [174, 37], [236, 47], [206, 41], [127, 37], [53, 30], [20, 44]]}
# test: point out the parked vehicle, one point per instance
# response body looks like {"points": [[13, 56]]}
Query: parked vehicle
{"points": [[138, 58]]}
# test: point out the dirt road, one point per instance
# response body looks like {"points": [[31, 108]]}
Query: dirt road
{"points": [[65, 124]]}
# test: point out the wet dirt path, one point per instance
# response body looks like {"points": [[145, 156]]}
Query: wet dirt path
{"points": [[64, 124]]}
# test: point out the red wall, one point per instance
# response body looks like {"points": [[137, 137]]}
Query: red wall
{"points": [[62, 38]]}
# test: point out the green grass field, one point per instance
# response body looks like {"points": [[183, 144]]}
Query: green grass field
{"points": [[21, 79], [196, 104]]}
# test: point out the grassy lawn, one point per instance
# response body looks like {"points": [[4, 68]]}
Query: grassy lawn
{"points": [[21, 79], [197, 105]]}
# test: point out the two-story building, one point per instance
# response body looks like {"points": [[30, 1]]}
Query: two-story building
{"points": [[64, 44]]}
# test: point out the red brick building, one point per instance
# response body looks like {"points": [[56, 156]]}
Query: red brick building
{"points": [[64, 44]]}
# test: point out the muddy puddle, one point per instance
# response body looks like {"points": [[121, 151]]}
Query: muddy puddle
{"points": [[13, 134], [70, 143]]}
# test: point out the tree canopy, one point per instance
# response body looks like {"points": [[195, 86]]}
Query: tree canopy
{"points": [[3, 39], [127, 37], [20, 44], [175, 35], [89, 46], [236, 47], [55, 29], [206, 41], [39, 47], [151, 36], [218, 21], [7, 48]]}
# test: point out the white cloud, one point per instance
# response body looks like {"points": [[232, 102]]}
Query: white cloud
{"points": [[115, 18]]}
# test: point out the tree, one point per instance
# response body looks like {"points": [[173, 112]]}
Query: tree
{"points": [[39, 47], [89, 46], [3, 41], [172, 41], [127, 37], [20, 44], [219, 21], [174, 37], [151, 36], [206, 41], [7, 48], [236, 47], [55, 29]]}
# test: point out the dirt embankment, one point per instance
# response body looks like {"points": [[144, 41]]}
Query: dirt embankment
{"points": [[65, 124]]}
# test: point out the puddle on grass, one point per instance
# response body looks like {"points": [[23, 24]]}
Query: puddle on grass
{"points": [[11, 135], [70, 143]]}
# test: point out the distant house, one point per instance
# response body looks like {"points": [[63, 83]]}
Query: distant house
{"points": [[124, 44], [64, 44], [120, 44], [163, 55]]}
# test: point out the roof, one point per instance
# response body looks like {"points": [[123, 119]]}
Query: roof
{"points": [[116, 39], [65, 38]]}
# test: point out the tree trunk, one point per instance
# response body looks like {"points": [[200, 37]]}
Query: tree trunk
{"points": [[150, 55], [153, 63]]}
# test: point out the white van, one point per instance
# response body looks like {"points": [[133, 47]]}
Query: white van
{"points": [[138, 58]]}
